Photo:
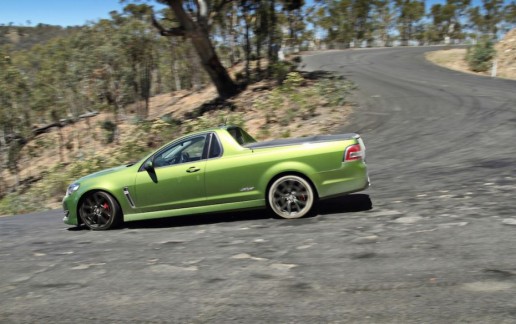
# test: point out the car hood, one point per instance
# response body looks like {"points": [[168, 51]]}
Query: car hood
{"points": [[103, 172]]}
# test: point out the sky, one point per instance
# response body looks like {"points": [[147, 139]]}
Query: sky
{"points": [[71, 12], [55, 12]]}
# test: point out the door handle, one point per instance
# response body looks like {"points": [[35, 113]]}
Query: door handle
{"points": [[192, 169]]}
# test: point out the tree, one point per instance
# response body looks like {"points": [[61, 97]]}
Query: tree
{"points": [[486, 19], [447, 20], [383, 18], [195, 25], [338, 22], [14, 117], [137, 40], [409, 13], [510, 14], [362, 25]]}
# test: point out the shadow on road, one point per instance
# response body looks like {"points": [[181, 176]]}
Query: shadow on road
{"points": [[344, 204]]}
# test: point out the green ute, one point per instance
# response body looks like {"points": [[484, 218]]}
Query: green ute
{"points": [[220, 169]]}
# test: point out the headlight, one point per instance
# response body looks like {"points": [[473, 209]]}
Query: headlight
{"points": [[72, 188]]}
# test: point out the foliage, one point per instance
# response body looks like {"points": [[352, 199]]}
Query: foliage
{"points": [[480, 56], [280, 70], [14, 203], [211, 120], [50, 75], [486, 19], [302, 98], [109, 131], [24, 37]]}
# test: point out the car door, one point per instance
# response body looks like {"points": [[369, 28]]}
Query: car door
{"points": [[231, 179], [176, 179]]}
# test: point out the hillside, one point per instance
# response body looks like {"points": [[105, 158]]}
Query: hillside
{"points": [[506, 55], [302, 106], [455, 59], [24, 37]]}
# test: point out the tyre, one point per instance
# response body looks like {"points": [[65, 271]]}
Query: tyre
{"points": [[291, 196], [100, 211]]}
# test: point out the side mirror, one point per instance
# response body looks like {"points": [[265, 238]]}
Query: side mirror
{"points": [[149, 166]]}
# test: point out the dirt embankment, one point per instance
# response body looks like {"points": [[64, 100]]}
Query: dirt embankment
{"points": [[505, 57]]}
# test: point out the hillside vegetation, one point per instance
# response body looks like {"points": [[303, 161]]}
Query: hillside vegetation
{"points": [[302, 106], [503, 52], [25, 37], [75, 100]]}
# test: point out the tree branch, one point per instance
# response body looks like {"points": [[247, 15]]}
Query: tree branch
{"points": [[202, 8], [177, 31]]}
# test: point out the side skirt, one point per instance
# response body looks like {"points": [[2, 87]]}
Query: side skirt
{"points": [[195, 210]]}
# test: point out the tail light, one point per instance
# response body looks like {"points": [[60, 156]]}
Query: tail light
{"points": [[353, 153]]}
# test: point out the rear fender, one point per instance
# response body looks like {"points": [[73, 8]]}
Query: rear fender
{"points": [[287, 167]]}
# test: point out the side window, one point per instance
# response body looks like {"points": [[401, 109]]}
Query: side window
{"points": [[241, 136], [215, 147], [237, 135], [189, 150]]}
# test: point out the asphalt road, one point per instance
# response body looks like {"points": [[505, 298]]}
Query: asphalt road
{"points": [[437, 246]]}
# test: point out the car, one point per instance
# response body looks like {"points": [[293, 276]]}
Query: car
{"points": [[220, 169]]}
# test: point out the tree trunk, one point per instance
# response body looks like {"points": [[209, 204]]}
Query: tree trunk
{"points": [[197, 31], [60, 145], [273, 48], [247, 47], [177, 79], [175, 65], [234, 34]]}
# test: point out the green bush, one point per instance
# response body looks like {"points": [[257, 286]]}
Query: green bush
{"points": [[480, 56], [109, 131], [280, 71]]}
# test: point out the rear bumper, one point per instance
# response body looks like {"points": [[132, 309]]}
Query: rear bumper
{"points": [[351, 177]]}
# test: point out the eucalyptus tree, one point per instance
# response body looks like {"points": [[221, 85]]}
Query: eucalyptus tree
{"points": [[314, 15], [409, 13], [194, 19], [362, 22], [510, 14], [354, 21], [485, 19], [337, 21], [383, 21], [448, 19], [137, 39], [14, 116]]}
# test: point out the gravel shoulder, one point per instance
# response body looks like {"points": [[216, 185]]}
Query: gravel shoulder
{"points": [[454, 58]]}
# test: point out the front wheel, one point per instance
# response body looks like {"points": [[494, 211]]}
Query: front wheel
{"points": [[291, 197], [100, 211]]}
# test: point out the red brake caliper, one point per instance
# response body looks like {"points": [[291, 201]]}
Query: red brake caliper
{"points": [[105, 206]]}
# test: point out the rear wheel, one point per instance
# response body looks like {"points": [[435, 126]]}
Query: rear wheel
{"points": [[100, 211], [291, 196]]}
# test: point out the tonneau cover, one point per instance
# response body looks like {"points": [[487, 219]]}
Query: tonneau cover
{"points": [[301, 140]]}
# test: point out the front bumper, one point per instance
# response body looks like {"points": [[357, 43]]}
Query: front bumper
{"points": [[70, 211]]}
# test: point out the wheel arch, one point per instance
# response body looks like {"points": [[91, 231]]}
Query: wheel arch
{"points": [[90, 191], [285, 173]]}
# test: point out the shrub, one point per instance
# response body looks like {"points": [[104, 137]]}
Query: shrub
{"points": [[480, 56], [280, 70], [109, 131]]}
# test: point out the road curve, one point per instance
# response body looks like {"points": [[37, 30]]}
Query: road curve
{"points": [[437, 245]]}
